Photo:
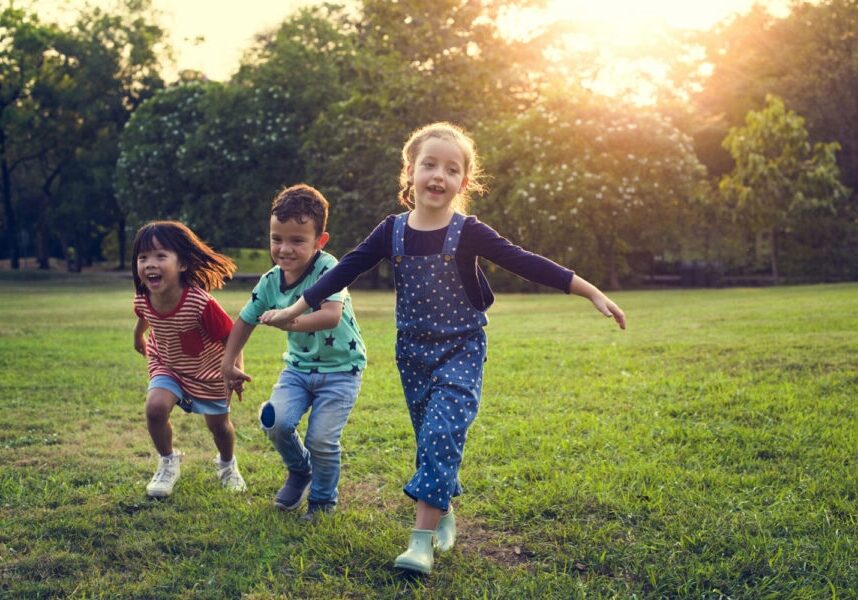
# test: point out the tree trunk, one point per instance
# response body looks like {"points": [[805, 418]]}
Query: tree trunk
{"points": [[120, 236], [775, 272], [11, 222], [43, 245]]}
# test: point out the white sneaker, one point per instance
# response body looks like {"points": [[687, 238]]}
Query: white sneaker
{"points": [[165, 476], [229, 475]]}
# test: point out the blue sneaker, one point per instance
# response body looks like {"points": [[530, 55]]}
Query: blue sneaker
{"points": [[317, 509], [293, 492]]}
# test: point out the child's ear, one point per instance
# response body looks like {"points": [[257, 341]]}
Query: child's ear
{"points": [[464, 185], [322, 240]]}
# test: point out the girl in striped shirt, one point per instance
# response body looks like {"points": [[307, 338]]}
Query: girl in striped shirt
{"points": [[173, 271]]}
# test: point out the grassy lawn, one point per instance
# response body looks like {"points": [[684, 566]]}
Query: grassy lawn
{"points": [[710, 451]]}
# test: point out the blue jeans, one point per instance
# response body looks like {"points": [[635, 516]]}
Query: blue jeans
{"points": [[330, 398]]}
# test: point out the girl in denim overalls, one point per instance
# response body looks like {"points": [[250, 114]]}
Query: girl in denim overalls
{"points": [[441, 299]]}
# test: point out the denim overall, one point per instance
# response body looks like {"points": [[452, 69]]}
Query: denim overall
{"points": [[440, 350]]}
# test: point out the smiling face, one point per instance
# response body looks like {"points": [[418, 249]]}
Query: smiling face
{"points": [[293, 245], [159, 269], [438, 174]]}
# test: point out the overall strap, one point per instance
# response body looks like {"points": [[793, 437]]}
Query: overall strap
{"points": [[399, 234], [454, 232]]}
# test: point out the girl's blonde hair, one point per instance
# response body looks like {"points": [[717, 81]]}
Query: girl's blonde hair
{"points": [[204, 267], [444, 131]]}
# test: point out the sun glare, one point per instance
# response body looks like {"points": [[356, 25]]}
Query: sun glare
{"points": [[614, 30], [212, 35]]}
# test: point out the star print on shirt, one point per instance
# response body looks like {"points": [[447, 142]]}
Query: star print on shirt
{"points": [[355, 370], [322, 272], [352, 345], [304, 349], [254, 297], [296, 363], [314, 369], [329, 340]]}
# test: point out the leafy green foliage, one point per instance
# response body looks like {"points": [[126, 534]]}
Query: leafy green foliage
{"points": [[70, 93], [778, 172], [576, 172]]}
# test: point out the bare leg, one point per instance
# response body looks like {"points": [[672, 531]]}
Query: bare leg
{"points": [[427, 516], [223, 433], [159, 404]]}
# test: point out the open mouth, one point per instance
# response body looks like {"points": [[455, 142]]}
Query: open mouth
{"points": [[435, 189], [153, 279]]}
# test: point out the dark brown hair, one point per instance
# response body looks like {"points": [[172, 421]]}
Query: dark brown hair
{"points": [[301, 202], [203, 266], [452, 133]]}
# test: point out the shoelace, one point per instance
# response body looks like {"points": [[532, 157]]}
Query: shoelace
{"points": [[164, 473], [229, 475]]}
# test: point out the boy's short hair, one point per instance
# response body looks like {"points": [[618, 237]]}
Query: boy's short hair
{"points": [[301, 202]]}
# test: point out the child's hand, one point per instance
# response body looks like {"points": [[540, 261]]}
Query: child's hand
{"points": [[140, 344], [277, 318], [233, 381], [607, 307]]}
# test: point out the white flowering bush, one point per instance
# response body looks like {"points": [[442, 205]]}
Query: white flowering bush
{"points": [[578, 174]]}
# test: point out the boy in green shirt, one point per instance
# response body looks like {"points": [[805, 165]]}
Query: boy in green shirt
{"points": [[324, 359]]}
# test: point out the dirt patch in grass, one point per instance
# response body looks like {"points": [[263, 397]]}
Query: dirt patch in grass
{"points": [[472, 537]]}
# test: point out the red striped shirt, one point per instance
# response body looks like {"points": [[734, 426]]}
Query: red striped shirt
{"points": [[187, 344]]}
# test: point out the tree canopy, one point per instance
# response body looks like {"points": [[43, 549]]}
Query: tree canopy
{"points": [[92, 144]]}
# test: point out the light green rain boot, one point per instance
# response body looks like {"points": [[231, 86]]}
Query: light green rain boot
{"points": [[445, 535], [419, 556]]}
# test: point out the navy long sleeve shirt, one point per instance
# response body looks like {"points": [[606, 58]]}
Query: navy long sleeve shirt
{"points": [[477, 240]]}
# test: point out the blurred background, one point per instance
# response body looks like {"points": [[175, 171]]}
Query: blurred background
{"points": [[642, 144]]}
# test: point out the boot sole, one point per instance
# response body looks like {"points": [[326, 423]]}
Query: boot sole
{"points": [[407, 566], [281, 506]]}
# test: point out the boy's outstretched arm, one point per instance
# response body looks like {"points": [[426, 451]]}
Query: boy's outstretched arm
{"points": [[606, 306], [233, 359]]}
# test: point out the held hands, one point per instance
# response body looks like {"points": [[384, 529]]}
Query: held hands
{"points": [[233, 380], [281, 319]]}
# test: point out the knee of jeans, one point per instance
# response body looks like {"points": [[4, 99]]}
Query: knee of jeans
{"points": [[272, 422], [322, 447]]}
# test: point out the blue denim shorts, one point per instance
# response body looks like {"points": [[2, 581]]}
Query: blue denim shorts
{"points": [[187, 403]]}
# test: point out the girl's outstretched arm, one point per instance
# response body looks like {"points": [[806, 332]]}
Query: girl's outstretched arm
{"points": [[581, 287], [281, 318]]}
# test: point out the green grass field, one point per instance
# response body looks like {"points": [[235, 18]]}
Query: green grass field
{"points": [[710, 451]]}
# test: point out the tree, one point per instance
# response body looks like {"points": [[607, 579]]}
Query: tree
{"points": [[579, 173], [415, 62], [70, 91], [778, 172], [807, 58], [23, 49]]}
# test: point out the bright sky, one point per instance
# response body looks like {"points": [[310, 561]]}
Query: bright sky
{"points": [[211, 35]]}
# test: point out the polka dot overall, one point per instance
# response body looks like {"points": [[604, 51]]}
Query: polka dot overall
{"points": [[440, 350]]}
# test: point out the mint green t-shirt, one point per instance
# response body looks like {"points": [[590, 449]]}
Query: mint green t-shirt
{"points": [[326, 351]]}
